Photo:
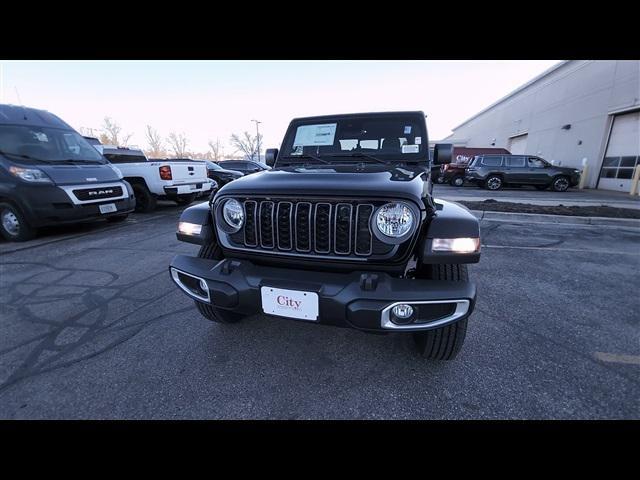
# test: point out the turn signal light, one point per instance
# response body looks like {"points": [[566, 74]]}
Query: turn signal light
{"points": [[165, 172], [456, 245]]}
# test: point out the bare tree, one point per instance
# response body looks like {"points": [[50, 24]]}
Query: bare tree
{"points": [[156, 145], [178, 143], [247, 144], [217, 150], [111, 131]]}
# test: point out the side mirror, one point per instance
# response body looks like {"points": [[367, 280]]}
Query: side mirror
{"points": [[442, 153], [270, 156]]}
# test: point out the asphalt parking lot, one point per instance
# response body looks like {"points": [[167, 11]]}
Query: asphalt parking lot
{"points": [[92, 327]]}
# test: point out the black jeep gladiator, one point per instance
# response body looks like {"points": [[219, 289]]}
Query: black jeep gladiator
{"points": [[342, 231]]}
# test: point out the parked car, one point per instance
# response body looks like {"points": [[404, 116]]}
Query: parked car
{"points": [[454, 172], [495, 171], [179, 181], [246, 167], [343, 231], [50, 175], [221, 175]]}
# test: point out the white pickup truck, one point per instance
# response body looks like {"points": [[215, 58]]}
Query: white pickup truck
{"points": [[179, 181]]}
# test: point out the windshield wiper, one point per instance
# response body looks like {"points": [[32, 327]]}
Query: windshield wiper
{"points": [[73, 161], [26, 157], [305, 155], [360, 155]]}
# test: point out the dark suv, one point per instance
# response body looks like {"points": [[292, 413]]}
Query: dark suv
{"points": [[342, 231], [495, 171], [243, 166]]}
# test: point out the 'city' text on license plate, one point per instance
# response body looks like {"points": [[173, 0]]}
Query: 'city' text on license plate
{"points": [[290, 303], [108, 208]]}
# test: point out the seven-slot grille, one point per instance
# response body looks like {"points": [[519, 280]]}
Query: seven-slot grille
{"points": [[308, 227]]}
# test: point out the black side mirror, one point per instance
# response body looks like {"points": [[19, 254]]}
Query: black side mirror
{"points": [[442, 153], [270, 156]]}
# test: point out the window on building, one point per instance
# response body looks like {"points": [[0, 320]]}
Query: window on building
{"points": [[619, 167]]}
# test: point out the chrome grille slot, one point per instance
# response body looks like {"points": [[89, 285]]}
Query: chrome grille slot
{"points": [[364, 237], [322, 237], [342, 229], [250, 234], [284, 231], [266, 224], [303, 227]]}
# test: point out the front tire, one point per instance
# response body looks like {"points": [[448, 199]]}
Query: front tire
{"points": [[13, 225], [560, 184], [493, 182], [442, 343], [214, 252]]}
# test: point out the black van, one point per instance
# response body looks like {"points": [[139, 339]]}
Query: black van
{"points": [[50, 175]]}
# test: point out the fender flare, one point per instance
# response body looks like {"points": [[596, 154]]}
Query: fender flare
{"points": [[200, 215], [451, 220]]}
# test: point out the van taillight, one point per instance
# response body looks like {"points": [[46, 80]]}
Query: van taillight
{"points": [[165, 173]]}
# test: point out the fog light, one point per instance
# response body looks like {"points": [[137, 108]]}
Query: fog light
{"points": [[189, 228], [203, 285], [402, 313]]}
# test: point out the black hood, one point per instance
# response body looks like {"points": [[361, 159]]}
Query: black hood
{"points": [[382, 181]]}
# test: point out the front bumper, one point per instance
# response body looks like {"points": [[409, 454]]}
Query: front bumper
{"points": [[48, 205], [360, 300]]}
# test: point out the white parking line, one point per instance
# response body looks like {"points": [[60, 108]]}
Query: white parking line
{"points": [[635, 254], [614, 358]]}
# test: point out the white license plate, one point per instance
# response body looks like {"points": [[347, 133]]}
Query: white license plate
{"points": [[194, 187], [290, 303], [108, 208]]}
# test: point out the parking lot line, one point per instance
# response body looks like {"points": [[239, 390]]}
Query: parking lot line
{"points": [[556, 249], [614, 358]]}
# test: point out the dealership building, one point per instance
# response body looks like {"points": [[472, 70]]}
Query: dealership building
{"points": [[579, 112]]}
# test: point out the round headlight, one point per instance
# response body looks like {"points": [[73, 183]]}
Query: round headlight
{"points": [[394, 219], [233, 214]]}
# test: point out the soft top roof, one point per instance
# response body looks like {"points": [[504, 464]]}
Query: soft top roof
{"points": [[19, 115]]}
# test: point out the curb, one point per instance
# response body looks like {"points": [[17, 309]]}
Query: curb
{"points": [[557, 219]]}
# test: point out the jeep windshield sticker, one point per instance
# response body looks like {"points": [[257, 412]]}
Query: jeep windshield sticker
{"points": [[410, 148], [311, 135], [418, 140], [407, 129]]}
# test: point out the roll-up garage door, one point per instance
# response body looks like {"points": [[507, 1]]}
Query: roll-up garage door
{"points": [[518, 145], [623, 151]]}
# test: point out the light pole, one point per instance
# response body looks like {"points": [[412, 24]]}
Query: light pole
{"points": [[257, 137]]}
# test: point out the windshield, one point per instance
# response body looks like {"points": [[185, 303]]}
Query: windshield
{"points": [[46, 144], [384, 137], [213, 166], [125, 158]]}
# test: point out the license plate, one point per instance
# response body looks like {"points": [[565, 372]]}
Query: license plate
{"points": [[290, 303], [196, 186], [108, 208]]}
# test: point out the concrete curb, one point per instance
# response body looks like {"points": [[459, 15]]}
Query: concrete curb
{"points": [[559, 219]]}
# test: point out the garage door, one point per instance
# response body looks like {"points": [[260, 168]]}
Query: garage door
{"points": [[622, 153], [517, 145]]}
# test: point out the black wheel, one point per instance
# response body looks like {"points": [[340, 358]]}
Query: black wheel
{"points": [[457, 181], [13, 225], [493, 182], [185, 199], [442, 343], [560, 184], [145, 201], [439, 180], [541, 187], [117, 218], [214, 252]]}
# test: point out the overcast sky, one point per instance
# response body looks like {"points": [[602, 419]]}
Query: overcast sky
{"points": [[213, 99]]}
